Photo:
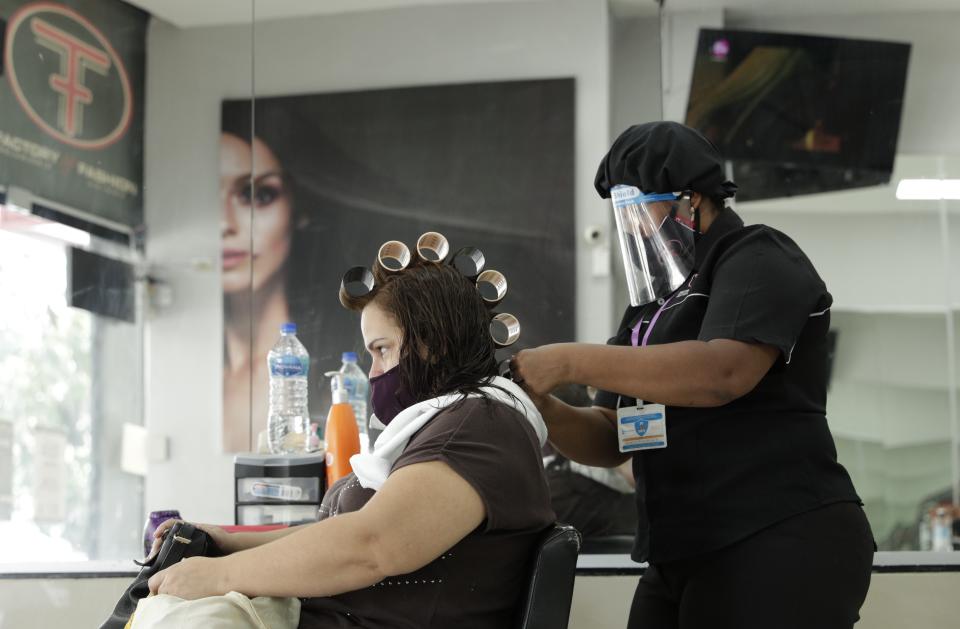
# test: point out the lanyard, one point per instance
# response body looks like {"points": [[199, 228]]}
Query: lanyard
{"points": [[635, 333]]}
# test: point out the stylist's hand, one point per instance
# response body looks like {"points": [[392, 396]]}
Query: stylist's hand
{"points": [[542, 369], [194, 577], [220, 537]]}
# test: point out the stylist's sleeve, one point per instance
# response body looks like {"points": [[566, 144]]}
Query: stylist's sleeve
{"points": [[763, 290]]}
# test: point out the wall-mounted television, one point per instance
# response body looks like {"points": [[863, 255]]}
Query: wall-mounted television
{"points": [[797, 114]]}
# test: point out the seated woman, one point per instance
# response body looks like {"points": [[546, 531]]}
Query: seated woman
{"points": [[437, 526]]}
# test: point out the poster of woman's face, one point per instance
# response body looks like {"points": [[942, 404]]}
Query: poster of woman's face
{"points": [[311, 185]]}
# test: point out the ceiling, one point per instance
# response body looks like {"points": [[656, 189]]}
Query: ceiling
{"points": [[190, 13], [786, 7]]}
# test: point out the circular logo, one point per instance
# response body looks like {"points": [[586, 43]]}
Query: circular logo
{"points": [[67, 77], [720, 49]]}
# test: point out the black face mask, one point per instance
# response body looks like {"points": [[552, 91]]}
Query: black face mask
{"points": [[388, 395]]}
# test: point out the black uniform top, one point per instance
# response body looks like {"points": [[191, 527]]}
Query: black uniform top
{"points": [[730, 471]]}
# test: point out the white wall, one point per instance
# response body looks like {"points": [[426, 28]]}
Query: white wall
{"points": [[634, 98], [634, 73], [877, 252], [679, 32], [188, 74], [58, 602], [190, 71], [895, 601]]}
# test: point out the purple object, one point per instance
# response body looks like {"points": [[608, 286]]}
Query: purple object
{"points": [[720, 49], [388, 395], [154, 520]]}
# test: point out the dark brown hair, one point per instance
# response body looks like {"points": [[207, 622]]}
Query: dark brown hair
{"points": [[446, 343]]}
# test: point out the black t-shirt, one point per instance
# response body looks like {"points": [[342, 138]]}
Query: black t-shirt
{"points": [[478, 583], [732, 470]]}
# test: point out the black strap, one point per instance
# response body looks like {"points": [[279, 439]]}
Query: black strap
{"points": [[182, 540]]}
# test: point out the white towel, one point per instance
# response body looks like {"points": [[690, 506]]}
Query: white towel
{"points": [[373, 467]]}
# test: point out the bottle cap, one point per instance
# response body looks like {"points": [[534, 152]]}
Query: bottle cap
{"points": [[288, 328], [349, 357]]}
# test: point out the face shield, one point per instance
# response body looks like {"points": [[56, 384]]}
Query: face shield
{"points": [[656, 233]]}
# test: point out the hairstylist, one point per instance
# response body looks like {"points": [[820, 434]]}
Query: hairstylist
{"points": [[715, 385]]}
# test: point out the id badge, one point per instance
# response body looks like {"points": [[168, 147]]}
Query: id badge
{"points": [[642, 427]]}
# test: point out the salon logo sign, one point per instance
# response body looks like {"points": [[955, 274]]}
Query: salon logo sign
{"points": [[67, 77]]}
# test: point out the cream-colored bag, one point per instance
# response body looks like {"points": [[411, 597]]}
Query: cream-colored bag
{"points": [[230, 611]]}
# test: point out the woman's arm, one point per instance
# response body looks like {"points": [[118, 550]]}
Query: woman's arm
{"points": [[585, 435], [686, 373], [236, 542], [420, 512], [227, 542]]}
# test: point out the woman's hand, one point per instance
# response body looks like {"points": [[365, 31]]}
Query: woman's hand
{"points": [[194, 577], [542, 369], [220, 537]]}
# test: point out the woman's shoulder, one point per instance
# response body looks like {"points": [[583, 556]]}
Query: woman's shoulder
{"points": [[483, 412], [760, 246], [759, 238], [763, 264], [479, 420]]}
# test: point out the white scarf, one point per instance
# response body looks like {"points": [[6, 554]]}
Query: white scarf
{"points": [[373, 468]]}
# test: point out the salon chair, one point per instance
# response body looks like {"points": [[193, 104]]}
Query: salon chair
{"points": [[607, 545], [546, 604]]}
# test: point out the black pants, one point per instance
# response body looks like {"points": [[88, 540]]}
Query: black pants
{"points": [[811, 571], [592, 507]]}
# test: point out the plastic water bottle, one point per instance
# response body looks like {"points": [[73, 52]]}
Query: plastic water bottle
{"points": [[358, 391], [288, 424], [925, 532], [942, 532]]}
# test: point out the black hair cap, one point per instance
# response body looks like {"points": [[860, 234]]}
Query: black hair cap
{"points": [[664, 157]]}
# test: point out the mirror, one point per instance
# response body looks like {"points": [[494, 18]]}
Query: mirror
{"points": [[823, 157]]}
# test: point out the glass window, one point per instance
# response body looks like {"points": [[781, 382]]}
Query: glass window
{"points": [[71, 379], [82, 280]]}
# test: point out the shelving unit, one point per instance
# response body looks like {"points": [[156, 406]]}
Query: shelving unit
{"points": [[277, 489]]}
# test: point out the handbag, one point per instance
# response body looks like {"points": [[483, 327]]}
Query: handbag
{"points": [[182, 540]]}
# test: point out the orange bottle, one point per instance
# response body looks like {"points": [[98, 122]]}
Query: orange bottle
{"points": [[341, 434]]}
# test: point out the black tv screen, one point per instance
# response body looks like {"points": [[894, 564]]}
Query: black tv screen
{"points": [[797, 114], [102, 285]]}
